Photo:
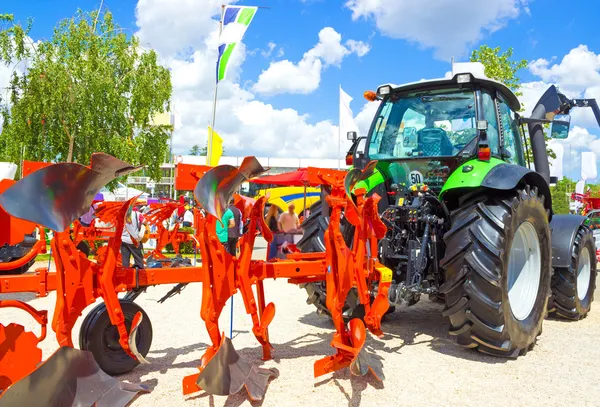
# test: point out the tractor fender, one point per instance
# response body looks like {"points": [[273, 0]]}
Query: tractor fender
{"points": [[564, 228], [507, 176], [495, 174]]}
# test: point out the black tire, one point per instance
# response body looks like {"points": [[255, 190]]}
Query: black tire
{"points": [[565, 300], [314, 230], [99, 336], [476, 271], [313, 241], [13, 253]]}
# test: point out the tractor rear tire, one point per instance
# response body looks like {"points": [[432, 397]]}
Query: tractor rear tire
{"points": [[497, 251], [313, 241], [573, 287], [99, 336]]}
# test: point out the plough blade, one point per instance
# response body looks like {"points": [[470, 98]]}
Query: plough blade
{"points": [[19, 354], [362, 362], [226, 373], [216, 187], [56, 195], [137, 320], [70, 377]]}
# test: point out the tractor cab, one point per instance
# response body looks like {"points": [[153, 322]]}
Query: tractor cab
{"points": [[423, 131]]}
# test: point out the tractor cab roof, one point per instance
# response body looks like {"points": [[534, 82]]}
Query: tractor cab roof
{"points": [[460, 78]]}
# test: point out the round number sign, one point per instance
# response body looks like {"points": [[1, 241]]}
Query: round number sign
{"points": [[415, 177]]}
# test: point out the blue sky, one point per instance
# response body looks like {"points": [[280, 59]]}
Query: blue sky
{"points": [[402, 47]]}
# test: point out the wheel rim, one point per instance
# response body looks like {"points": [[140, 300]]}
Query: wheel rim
{"points": [[584, 270], [524, 271], [110, 340]]}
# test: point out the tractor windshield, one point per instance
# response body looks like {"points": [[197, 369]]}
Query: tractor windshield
{"points": [[434, 123]]}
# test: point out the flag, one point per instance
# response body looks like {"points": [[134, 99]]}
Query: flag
{"points": [[556, 164], [588, 165], [216, 148], [346, 117], [236, 20]]}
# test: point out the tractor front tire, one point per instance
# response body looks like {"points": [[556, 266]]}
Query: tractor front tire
{"points": [[573, 287], [497, 269]]}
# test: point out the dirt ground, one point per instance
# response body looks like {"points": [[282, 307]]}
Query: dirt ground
{"points": [[422, 365]]}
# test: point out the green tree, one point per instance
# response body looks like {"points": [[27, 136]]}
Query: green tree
{"points": [[500, 66], [560, 195], [90, 88], [197, 151]]}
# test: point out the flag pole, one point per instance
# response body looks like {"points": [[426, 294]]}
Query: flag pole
{"points": [[339, 128], [214, 109]]}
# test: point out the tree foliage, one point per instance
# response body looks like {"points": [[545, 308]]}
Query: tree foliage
{"points": [[202, 151], [500, 66], [560, 195], [90, 88], [197, 150]]}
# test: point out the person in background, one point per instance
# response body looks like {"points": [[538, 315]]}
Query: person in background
{"points": [[128, 248], [188, 217], [235, 231], [223, 229], [271, 221], [288, 221]]}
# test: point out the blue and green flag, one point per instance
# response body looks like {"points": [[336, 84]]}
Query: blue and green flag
{"points": [[236, 20]]}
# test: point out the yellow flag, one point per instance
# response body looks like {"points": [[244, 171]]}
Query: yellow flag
{"points": [[216, 148]]}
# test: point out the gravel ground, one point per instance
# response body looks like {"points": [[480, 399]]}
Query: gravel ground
{"points": [[423, 366]]}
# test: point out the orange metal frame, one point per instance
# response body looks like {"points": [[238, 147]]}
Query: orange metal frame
{"points": [[79, 281]]}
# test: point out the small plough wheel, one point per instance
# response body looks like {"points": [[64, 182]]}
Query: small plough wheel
{"points": [[573, 287], [98, 336], [498, 268]]}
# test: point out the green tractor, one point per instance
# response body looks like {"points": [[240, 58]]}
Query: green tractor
{"points": [[468, 222]]}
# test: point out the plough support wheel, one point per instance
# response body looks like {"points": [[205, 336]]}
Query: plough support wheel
{"points": [[70, 377], [19, 352], [101, 338]]}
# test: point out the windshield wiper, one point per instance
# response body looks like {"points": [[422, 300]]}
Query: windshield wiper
{"points": [[442, 98]]}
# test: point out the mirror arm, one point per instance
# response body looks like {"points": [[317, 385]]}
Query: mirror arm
{"points": [[527, 120]]}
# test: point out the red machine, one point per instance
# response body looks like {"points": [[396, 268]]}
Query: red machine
{"points": [[79, 281]]}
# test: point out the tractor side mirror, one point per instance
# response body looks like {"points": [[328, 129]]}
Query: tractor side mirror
{"points": [[351, 135], [560, 126]]}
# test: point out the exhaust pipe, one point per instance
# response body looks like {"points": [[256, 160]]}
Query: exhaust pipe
{"points": [[546, 108]]}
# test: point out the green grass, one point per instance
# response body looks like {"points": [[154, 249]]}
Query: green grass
{"points": [[43, 257], [46, 257]]}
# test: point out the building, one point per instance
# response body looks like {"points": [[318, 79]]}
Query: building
{"points": [[275, 165]]}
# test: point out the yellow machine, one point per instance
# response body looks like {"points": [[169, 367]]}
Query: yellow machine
{"points": [[282, 197]]}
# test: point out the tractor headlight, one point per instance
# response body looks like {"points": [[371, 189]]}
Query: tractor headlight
{"points": [[384, 90], [463, 78]]}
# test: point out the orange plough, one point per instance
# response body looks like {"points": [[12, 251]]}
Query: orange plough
{"points": [[80, 281]]}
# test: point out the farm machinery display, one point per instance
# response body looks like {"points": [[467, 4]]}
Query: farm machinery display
{"points": [[468, 222], [116, 335]]}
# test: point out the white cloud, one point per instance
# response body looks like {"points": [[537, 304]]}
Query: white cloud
{"points": [[270, 48], [175, 26], [247, 126], [448, 27], [365, 117], [577, 75], [305, 76], [579, 140]]}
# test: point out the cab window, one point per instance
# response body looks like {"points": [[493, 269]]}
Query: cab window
{"points": [[512, 141], [489, 114]]}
